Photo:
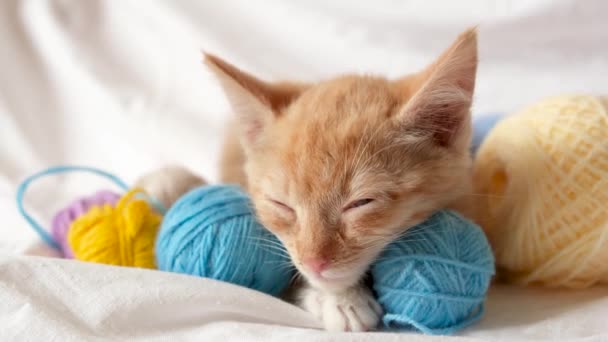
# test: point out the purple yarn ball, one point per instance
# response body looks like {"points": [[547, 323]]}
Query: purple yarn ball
{"points": [[64, 218]]}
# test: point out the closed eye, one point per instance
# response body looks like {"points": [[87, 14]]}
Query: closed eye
{"points": [[358, 203], [281, 205]]}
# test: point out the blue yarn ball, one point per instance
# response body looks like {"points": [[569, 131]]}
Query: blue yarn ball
{"points": [[212, 232], [436, 276], [482, 125]]}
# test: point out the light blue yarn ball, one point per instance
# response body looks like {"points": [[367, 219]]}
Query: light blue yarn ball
{"points": [[435, 278], [482, 125], [212, 232]]}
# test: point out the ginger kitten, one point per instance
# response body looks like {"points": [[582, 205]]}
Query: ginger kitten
{"points": [[340, 168]]}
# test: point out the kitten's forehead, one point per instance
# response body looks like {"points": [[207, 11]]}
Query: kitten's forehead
{"points": [[345, 97], [335, 115], [328, 135]]}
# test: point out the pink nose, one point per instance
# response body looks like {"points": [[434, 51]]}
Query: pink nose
{"points": [[316, 265]]}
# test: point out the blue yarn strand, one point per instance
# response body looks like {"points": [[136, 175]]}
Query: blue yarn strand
{"points": [[46, 237], [437, 331]]}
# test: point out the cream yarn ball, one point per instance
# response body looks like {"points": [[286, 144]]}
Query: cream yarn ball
{"points": [[167, 184], [541, 177]]}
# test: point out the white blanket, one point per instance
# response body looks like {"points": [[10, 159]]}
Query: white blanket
{"points": [[50, 299], [120, 85]]}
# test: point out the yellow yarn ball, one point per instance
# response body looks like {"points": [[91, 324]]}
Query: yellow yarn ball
{"points": [[541, 177], [123, 235]]}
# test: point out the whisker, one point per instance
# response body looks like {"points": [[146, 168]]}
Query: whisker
{"points": [[281, 267], [268, 242], [277, 251], [277, 254], [296, 276]]}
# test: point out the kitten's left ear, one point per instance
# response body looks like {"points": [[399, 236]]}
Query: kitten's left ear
{"points": [[441, 95], [256, 103]]}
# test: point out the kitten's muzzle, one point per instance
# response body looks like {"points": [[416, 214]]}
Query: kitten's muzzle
{"points": [[316, 265]]}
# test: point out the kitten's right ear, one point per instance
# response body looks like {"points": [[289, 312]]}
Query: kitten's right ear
{"points": [[256, 103], [440, 96]]}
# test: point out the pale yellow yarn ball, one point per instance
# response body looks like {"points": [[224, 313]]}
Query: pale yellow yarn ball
{"points": [[541, 183]]}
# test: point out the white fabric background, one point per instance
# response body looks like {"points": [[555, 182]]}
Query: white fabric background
{"points": [[120, 85]]}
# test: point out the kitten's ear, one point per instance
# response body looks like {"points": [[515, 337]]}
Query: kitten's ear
{"points": [[441, 95], [255, 102]]}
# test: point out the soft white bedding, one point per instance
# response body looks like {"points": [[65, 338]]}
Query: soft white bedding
{"points": [[44, 299], [119, 85]]}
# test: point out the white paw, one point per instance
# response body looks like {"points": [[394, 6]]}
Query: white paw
{"points": [[354, 309]]}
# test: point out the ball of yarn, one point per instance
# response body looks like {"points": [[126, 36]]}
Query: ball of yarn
{"points": [[123, 235], [544, 174], [169, 183], [64, 218], [436, 276], [482, 125], [213, 232]]}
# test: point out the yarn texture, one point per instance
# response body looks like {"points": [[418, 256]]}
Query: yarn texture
{"points": [[212, 232], [482, 125], [123, 235], [169, 183], [56, 170], [544, 174], [63, 219], [436, 276]]}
